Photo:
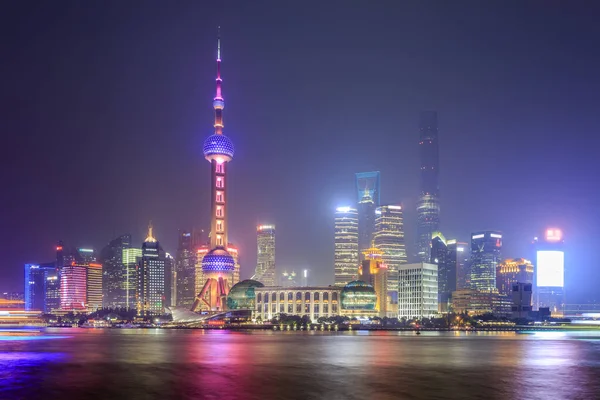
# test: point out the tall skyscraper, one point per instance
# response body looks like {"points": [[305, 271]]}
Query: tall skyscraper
{"points": [[169, 278], [151, 278], [265, 255], [417, 290], [37, 284], [346, 245], [486, 250], [428, 205], [218, 265], [185, 267], [130, 258], [513, 271], [458, 254], [441, 256], [114, 272], [550, 272], [367, 188], [73, 287], [389, 238], [93, 290]]}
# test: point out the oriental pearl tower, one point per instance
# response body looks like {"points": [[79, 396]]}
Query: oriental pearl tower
{"points": [[218, 264]]}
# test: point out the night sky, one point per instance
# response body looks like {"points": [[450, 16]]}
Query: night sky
{"points": [[105, 106]]}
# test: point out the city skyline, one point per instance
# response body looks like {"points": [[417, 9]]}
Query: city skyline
{"points": [[467, 188]]}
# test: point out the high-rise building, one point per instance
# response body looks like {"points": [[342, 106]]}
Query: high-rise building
{"points": [[375, 272], [367, 188], [428, 205], [441, 256], [151, 278], [114, 272], [93, 290], [37, 286], [521, 294], [486, 250], [417, 291], [185, 267], [513, 271], [550, 272], [170, 289], [459, 255], [389, 238], [73, 287], [52, 289], [218, 265], [265, 255], [130, 259], [346, 245]]}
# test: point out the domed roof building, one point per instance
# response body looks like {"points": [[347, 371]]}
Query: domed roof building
{"points": [[218, 260], [241, 295], [357, 297]]}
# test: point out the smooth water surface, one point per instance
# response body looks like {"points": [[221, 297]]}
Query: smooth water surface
{"points": [[196, 364]]}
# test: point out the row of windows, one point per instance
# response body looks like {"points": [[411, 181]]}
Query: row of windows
{"points": [[290, 296], [297, 308]]}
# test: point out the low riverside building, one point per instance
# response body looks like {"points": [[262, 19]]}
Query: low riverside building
{"points": [[314, 302]]}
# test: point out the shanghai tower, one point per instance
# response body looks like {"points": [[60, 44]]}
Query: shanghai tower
{"points": [[428, 205], [218, 264]]}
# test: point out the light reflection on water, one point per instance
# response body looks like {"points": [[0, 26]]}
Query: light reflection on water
{"points": [[150, 363]]}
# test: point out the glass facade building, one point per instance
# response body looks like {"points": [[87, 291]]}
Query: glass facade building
{"points": [[389, 238], [114, 272], [151, 278], [428, 204], [40, 287], [73, 287], [550, 272], [346, 259], [367, 188], [130, 260], [486, 250], [265, 255], [185, 270]]}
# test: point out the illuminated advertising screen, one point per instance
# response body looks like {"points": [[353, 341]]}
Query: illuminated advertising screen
{"points": [[550, 268]]}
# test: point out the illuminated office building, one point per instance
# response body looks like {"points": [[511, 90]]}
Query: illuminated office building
{"points": [[151, 278], [265, 255], [93, 282], [346, 245], [169, 278], [130, 259], [513, 271], [428, 204], [550, 272], [185, 268], [417, 291], [476, 302], [374, 272], [73, 287], [485, 255], [459, 255], [114, 272], [389, 238], [40, 287], [442, 257], [367, 187], [288, 279], [218, 264]]}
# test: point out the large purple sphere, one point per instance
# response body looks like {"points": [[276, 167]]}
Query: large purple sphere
{"points": [[218, 146], [218, 260]]}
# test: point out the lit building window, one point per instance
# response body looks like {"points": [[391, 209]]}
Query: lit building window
{"points": [[219, 240], [220, 197], [220, 211], [220, 182], [220, 168], [219, 225]]}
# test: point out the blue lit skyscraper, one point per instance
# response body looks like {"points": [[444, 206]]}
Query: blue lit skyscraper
{"points": [[428, 205], [368, 199]]}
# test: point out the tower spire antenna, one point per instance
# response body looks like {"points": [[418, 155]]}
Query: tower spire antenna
{"points": [[219, 43]]}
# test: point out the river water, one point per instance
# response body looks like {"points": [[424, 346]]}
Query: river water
{"points": [[195, 364]]}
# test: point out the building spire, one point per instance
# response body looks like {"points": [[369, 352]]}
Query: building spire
{"points": [[218, 103], [150, 238]]}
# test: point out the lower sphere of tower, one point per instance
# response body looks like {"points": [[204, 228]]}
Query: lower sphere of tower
{"points": [[218, 260], [218, 146]]}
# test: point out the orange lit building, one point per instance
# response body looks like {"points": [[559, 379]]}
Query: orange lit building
{"points": [[374, 272], [512, 271]]}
